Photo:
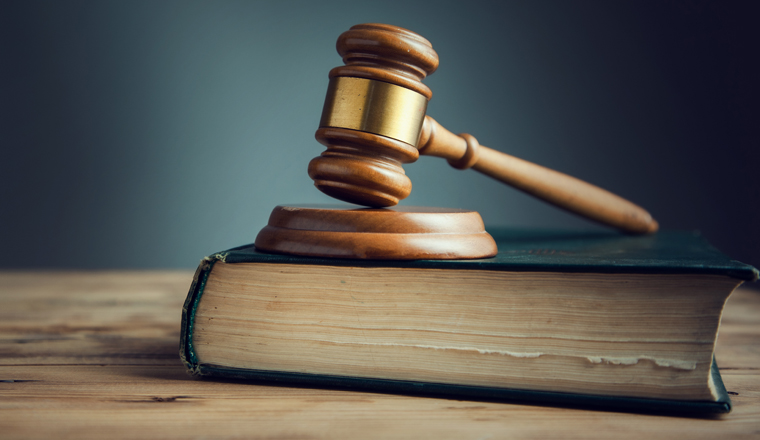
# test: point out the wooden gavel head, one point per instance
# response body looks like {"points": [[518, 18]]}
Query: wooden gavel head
{"points": [[373, 115]]}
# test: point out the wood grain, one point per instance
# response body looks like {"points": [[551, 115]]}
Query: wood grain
{"points": [[94, 355]]}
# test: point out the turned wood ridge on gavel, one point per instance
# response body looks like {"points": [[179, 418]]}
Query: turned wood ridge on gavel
{"points": [[374, 120]]}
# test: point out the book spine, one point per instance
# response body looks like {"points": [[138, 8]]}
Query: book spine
{"points": [[186, 352]]}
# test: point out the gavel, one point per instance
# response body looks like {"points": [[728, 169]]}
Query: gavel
{"points": [[374, 120]]}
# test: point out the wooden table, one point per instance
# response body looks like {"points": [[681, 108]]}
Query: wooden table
{"points": [[94, 355]]}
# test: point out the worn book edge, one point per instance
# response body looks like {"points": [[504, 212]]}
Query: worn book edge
{"points": [[620, 403]]}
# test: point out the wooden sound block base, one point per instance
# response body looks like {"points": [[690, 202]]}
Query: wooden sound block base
{"points": [[398, 233]]}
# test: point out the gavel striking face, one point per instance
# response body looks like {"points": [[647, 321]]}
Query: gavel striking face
{"points": [[374, 121]]}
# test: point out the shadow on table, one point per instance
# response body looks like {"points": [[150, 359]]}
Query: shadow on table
{"points": [[179, 373]]}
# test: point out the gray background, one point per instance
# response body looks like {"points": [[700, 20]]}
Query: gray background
{"points": [[149, 134]]}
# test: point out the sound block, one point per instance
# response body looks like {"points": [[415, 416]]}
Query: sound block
{"points": [[398, 233]]}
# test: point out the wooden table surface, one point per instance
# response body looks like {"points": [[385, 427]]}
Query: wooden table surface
{"points": [[95, 355]]}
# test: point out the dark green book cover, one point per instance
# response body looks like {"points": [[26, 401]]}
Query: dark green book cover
{"points": [[667, 252]]}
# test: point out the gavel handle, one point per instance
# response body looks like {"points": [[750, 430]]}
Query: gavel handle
{"points": [[463, 151]]}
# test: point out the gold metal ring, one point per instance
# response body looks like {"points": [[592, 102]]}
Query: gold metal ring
{"points": [[374, 107]]}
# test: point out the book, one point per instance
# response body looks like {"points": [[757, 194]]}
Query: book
{"points": [[568, 318]]}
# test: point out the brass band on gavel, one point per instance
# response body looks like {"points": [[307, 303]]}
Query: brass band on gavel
{"points": [[375, 107]]}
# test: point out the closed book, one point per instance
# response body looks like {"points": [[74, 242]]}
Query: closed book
{"points": [[590, 319]]}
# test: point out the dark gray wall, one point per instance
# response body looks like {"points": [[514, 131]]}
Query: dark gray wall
{"points": [[149, 134]]}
